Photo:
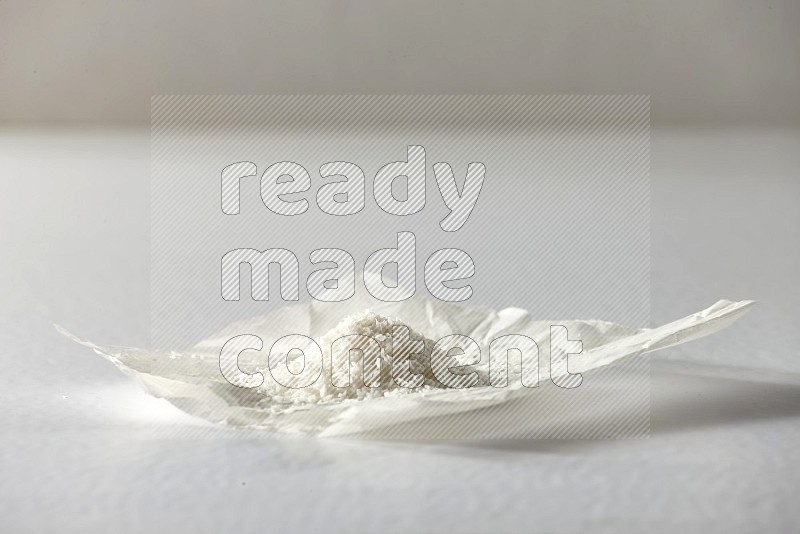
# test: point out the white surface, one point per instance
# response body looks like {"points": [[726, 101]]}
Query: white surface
{"points": [[83, 449]]}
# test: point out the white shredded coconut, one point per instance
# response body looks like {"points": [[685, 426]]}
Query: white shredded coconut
{"points": [[369, 377]]}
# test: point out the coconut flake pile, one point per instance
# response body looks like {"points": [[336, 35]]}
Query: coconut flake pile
{"points": [[369, 377]]}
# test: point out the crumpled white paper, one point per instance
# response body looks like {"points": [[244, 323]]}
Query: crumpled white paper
{"points": [[193, 382]]}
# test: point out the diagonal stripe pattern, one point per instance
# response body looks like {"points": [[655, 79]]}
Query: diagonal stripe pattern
{"points": [[560, 224]]}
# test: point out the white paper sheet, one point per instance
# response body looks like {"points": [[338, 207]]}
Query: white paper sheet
{"points": [[192, 381]]}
